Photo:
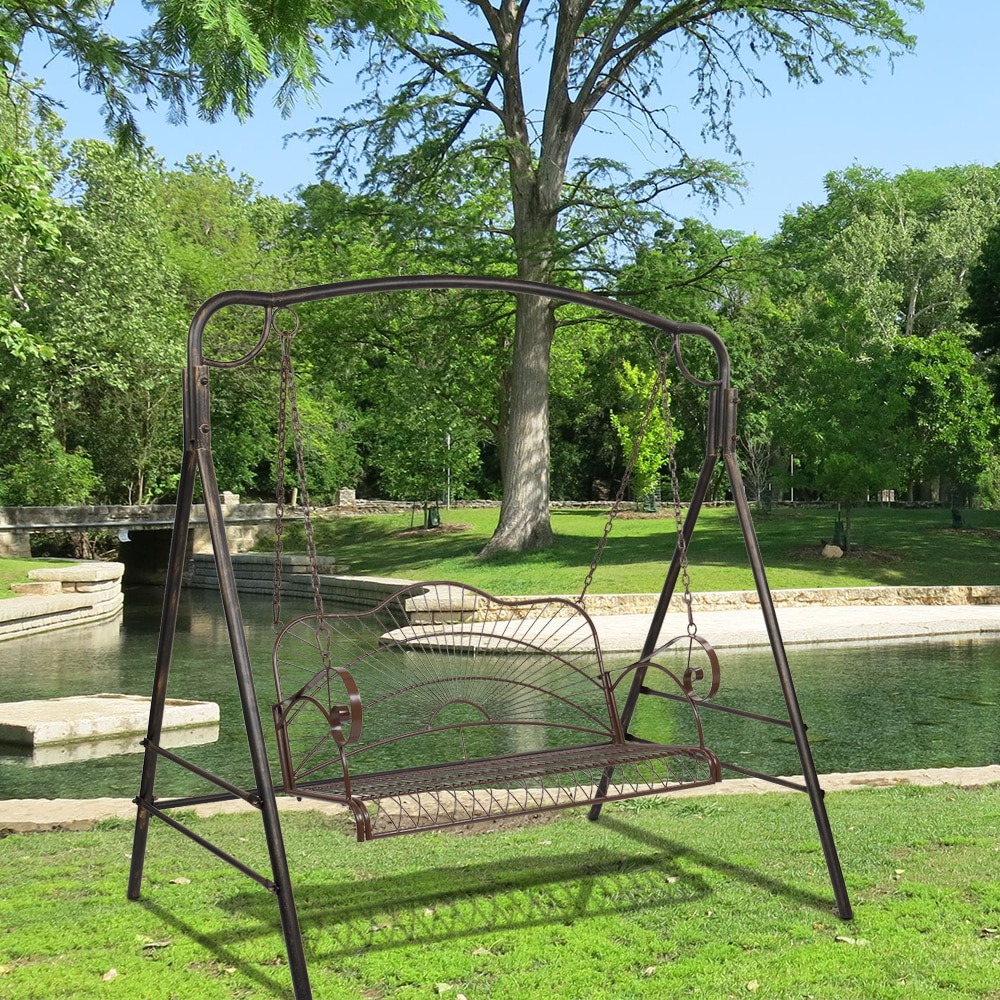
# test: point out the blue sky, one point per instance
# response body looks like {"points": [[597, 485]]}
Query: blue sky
{"points": [[939, 106]]}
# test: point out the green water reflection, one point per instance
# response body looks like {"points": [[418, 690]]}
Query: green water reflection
{"points": [[900, 705]]}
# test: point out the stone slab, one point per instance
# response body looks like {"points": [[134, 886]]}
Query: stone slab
{"points": [[819, 626], [36, 588], [30, 610], [82, 572], [65, 720], [51, 754], [97, 587]]}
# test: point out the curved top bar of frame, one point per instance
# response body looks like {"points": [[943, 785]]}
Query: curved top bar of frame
{"points": [[273, 301]]}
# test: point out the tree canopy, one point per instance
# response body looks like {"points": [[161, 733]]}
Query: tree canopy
{"points": [[466, 85], [214, 56], [869, 318]]}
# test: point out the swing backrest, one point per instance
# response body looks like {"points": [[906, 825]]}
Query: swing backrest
{"points": [[445, 672]]}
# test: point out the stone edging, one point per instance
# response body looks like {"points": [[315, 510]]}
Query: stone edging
{"points": [[41, 815], [57, 597], [803, 597], [254, 572]]}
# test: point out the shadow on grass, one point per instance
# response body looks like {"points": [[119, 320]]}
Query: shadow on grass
{"points": [[922, 547], [448, 903], [445, 903], [751, 876], [218, 944]]}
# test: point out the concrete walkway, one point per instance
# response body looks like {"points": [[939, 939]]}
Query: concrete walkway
{"points": [[814, 625], [45, 815], [625, 634]]}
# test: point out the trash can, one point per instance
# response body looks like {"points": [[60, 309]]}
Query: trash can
{"points": [[839, 535], [432, 517]]}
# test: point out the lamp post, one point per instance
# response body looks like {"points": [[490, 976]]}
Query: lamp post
{"points": [[447, 492]]}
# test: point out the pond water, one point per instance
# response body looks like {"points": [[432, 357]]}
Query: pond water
{"points": [[868, 706]]}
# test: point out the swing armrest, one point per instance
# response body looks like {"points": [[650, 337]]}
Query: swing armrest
{"points": [[692, 672], [684, 691], [293, 770], [335, 715]]}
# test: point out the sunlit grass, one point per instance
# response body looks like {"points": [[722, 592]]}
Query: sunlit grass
{"points": [[711, 897], [896, 547], [16, 571]]}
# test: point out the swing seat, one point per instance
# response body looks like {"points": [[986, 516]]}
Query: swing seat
{"points": [[445, 705]]}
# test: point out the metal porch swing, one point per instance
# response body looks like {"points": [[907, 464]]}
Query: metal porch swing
{"points": [[444, 705]]}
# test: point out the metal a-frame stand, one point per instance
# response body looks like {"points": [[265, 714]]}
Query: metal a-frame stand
{"points": [[198, 463]]}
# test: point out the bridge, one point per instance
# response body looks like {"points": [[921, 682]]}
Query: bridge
{"points": [[143, 529]]}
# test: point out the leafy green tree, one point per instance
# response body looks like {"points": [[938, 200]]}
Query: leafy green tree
{"points": [[603, 57], [427, 452], [31, 219], [112, 321], [953, 422], [696, 273], [48, 476], [983, 308], [846, 421], [648, 443], [331, 430], [215, 56], [218, 233], [870, 296], [437, 359], [898, 249]]}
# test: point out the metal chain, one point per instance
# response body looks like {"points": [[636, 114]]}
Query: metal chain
{"points": [[675, 491], [279, 475], [288, 407], [659, 388]]}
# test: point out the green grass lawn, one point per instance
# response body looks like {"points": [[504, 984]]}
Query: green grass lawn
{"points": [[16, 571], [715, 897], [895, 548]]}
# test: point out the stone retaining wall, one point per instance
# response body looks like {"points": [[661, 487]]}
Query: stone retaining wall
{"points": [[736, 600], [255, 572], [349, 504], [58, 597]]}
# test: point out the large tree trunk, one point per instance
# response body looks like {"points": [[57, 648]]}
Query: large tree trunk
{"points": [[536, 189], [524, 512]]}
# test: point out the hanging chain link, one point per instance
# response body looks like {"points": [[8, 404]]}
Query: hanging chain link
{"points": [[289, 409], [675, 493], [659, 389]]}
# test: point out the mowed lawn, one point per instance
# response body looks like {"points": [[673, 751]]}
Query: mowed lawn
{"points": [[714, 897], [895, 547], [16, 571]]}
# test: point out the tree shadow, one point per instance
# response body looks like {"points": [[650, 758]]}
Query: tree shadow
{"points": [[220, 945], [749, 876]]}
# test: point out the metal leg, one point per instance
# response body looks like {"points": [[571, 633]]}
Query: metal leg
{"points": [[652, 636], [255, 734], [198, 461], [788, 689], [168, 629]]}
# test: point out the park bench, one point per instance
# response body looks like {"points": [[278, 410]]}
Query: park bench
{"points": [[445, 705]]}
